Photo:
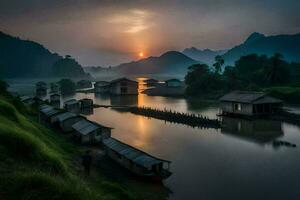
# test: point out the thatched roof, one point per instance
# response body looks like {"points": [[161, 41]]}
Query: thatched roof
{"points": [[249, 97]]}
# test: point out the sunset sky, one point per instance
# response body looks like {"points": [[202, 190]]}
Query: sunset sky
{"points": [[108, 32]]}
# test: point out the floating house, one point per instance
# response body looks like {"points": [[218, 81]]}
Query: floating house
{"points": [[249, 103], [84, 84], [54, 88], [66, 120], [173, 83], [87, 132], [137, 161], [102, 87], [123, 86], [72, 106], [41, 88]]}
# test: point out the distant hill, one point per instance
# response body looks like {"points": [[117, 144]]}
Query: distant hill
{"points": [[24, 58], [206, 55], [287, 45], [171, 62]]}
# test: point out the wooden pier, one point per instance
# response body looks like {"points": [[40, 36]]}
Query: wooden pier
{"points": [[194, 120]]}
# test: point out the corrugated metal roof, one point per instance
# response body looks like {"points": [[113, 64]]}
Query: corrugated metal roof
{"points": [[48, 110], [65, 116], [242, 96], [52, 112], [85, 127], [52, 95], [24, 98], [45, 106], [267, 99], [135, 155]]}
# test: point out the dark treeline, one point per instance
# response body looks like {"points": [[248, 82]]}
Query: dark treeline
{"points": [[24, 58], [252, 72], [194, 120], [67, 86]]}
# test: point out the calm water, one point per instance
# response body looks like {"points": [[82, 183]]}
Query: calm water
{"points": [[238, 161]]}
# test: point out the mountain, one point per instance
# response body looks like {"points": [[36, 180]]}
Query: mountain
{"points": [[287, 45], [206, 55], [24, 58], [171, 62]]}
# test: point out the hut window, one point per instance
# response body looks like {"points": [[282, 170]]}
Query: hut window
{"points": [[238, 106]]}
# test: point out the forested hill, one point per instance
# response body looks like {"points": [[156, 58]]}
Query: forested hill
{"points": [[24, 58], [171, 62], [286, 45]]}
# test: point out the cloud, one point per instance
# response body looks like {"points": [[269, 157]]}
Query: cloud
{"points": [[109, 31], [131, 21]]}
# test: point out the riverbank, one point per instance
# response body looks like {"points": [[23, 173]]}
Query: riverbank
{"points": [[40, 163]]}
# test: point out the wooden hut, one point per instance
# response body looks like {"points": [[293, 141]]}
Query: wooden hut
{"points": [[41, 88], [173, 83], [86, 103], [88, 132], [123, 86], [66, 120], [46, 112], [84, 84], [55, 100], [249, 103], [102, 87], [137, 161], [54, 88], [72, 106]]}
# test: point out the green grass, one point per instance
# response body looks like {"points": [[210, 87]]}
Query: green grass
{"points": [[287, 94], [35, 161]]}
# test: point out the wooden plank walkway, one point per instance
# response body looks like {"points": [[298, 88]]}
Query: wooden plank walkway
{"points": [[194, 120]]}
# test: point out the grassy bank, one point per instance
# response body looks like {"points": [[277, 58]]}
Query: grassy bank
{"points": [[36, 162], [287, 94]]}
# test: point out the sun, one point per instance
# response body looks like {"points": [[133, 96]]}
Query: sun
{"points": [[141, 54]]}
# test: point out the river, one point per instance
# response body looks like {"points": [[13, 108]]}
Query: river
{"points": [[238, 161]]}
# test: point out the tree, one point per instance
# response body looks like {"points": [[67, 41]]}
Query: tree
{"points": [[67, 86], [219, 62], [68, 67], [231, 78], [200, 80], [277, 72]]}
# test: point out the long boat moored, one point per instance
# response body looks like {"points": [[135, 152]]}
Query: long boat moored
{"points": [[137, 161]]}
